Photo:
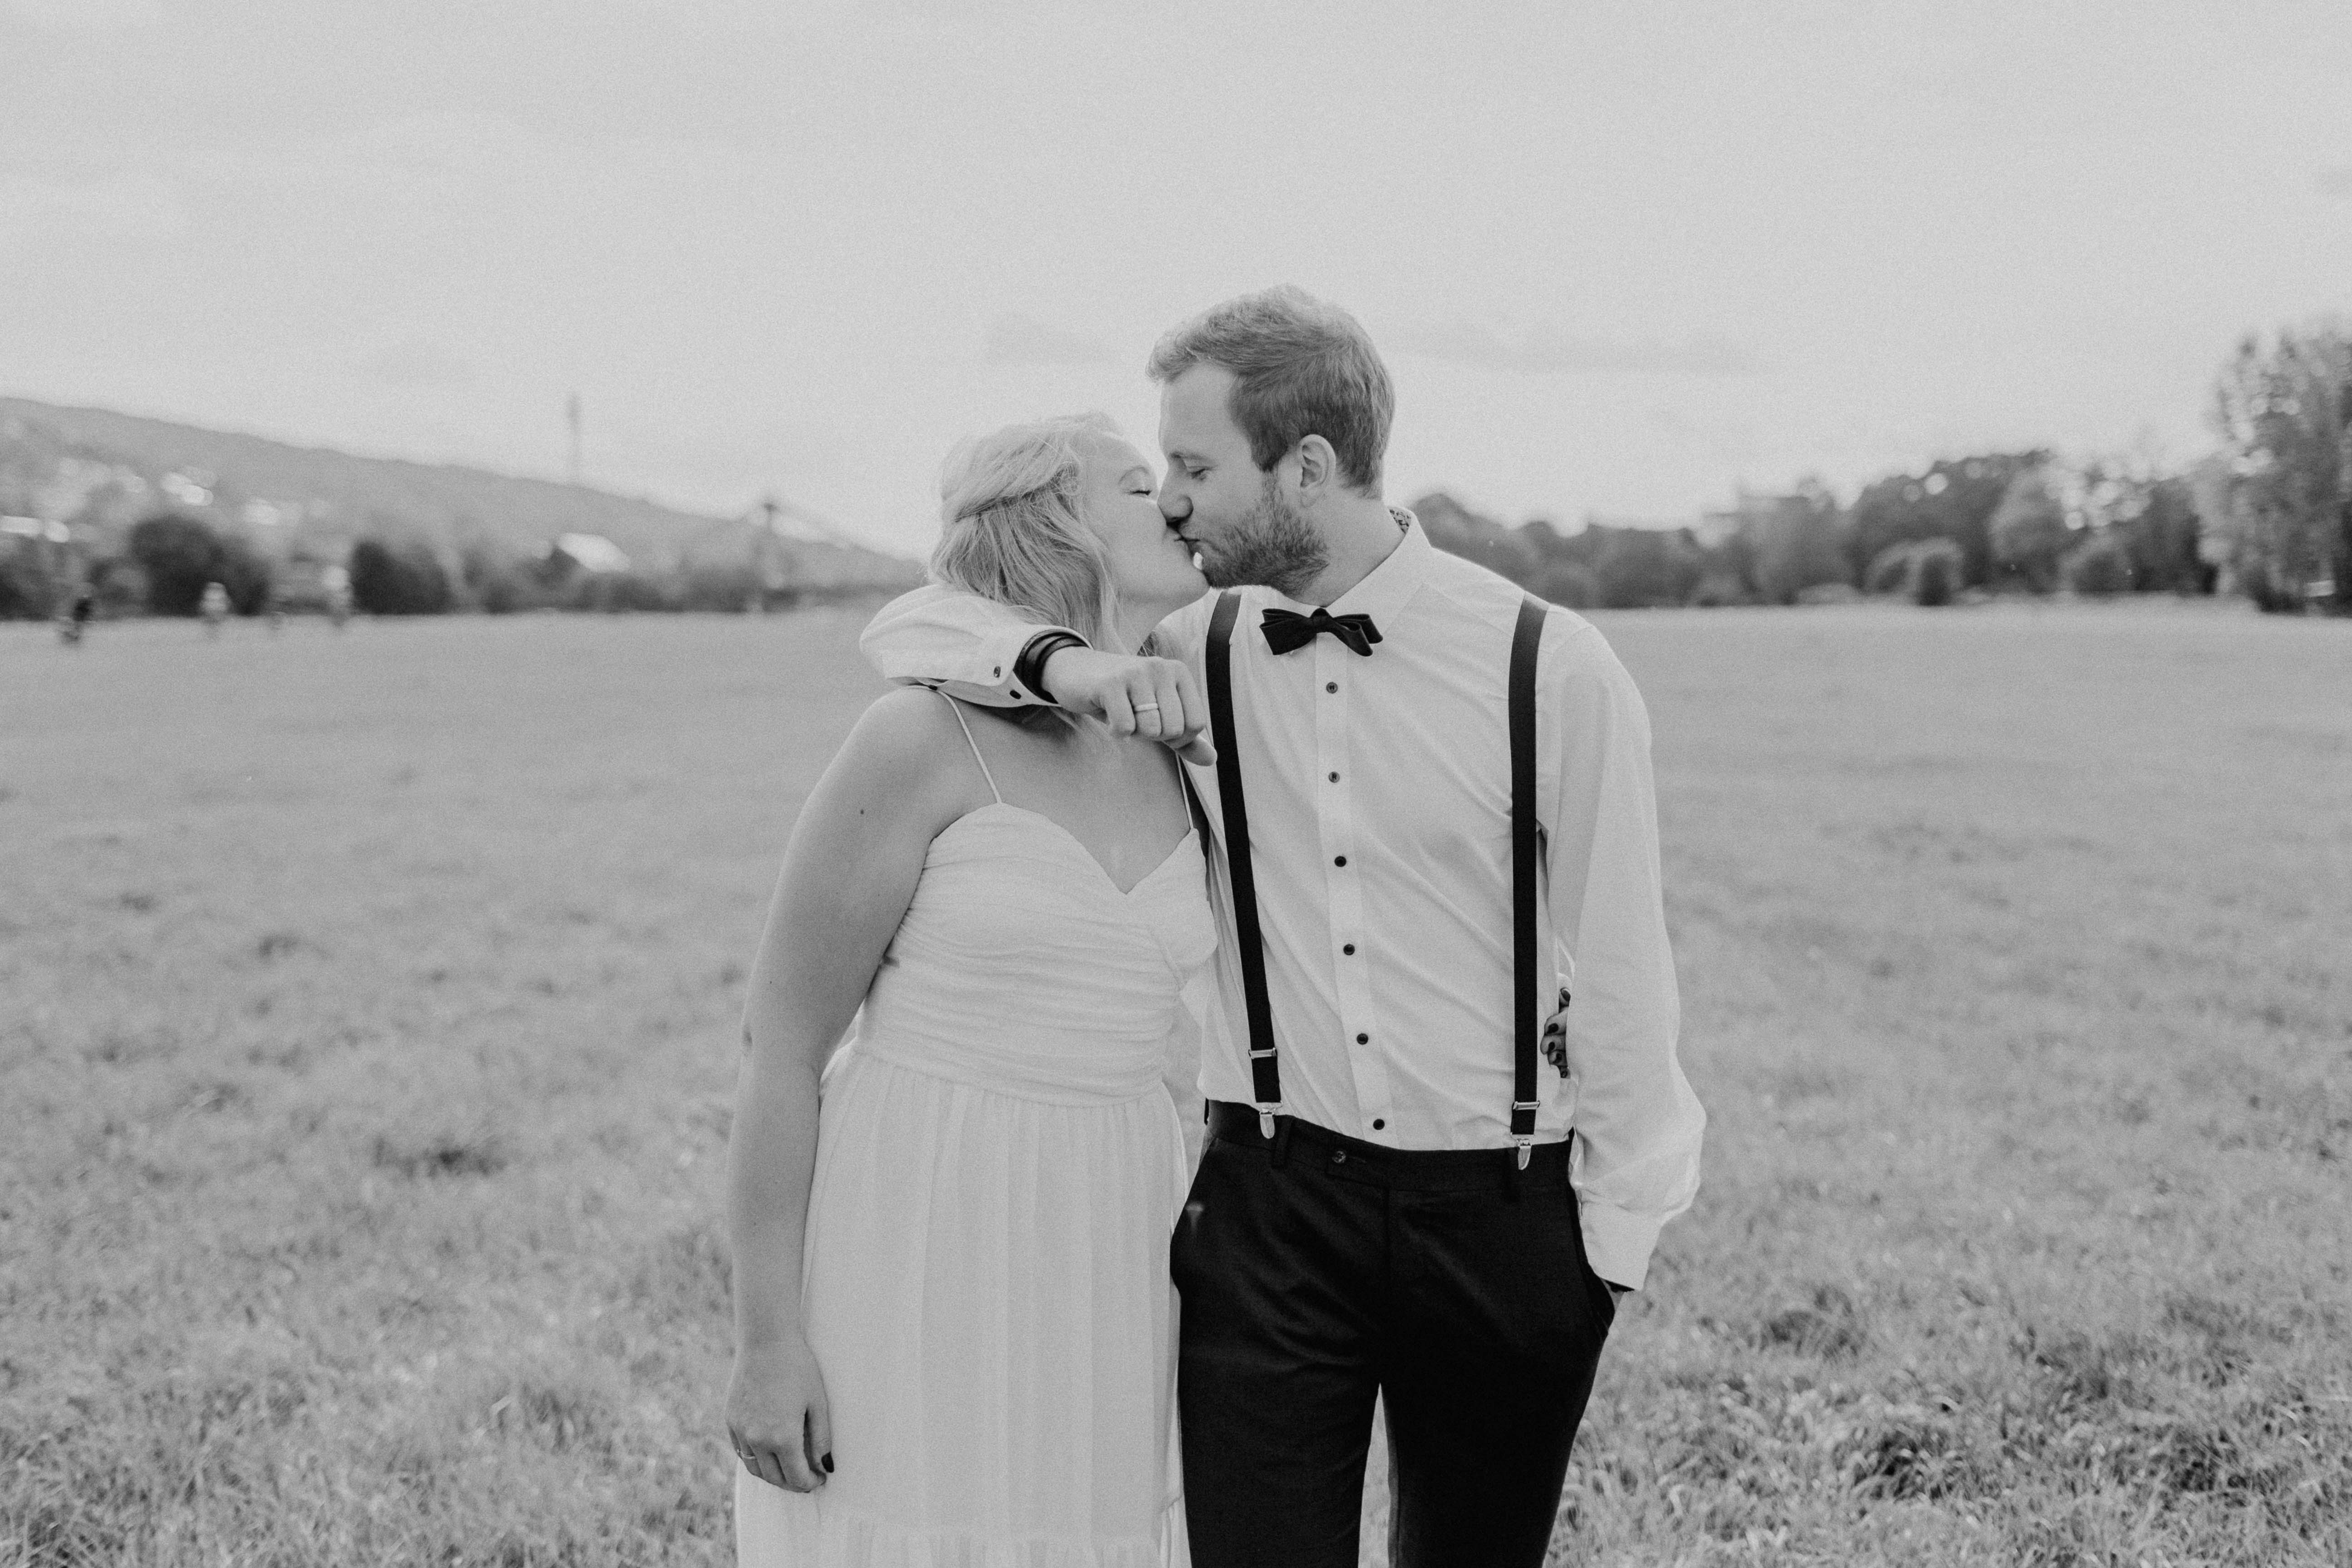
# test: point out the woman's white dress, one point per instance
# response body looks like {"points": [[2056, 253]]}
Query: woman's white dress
{"points": [[999, 1170]]}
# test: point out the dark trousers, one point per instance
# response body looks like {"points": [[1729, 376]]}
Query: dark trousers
{"points": [[1320, 1270]]}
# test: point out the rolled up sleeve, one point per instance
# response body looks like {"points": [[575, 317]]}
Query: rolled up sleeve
{"points": [[959, 642], [1638, 1126]]}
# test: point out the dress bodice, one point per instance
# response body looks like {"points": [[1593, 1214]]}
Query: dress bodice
{"points": [[1021, 968]]}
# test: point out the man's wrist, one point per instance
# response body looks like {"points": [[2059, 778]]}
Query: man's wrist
{"points": [[1029, 670]]}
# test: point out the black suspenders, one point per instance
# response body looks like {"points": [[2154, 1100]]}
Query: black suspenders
{"points": [[1265, 1077], [1526, 638]]}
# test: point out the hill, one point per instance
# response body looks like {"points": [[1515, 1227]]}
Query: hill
{"points": [[105, 470]]}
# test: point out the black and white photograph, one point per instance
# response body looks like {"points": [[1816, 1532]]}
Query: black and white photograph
{"points": [[1052, 784]]}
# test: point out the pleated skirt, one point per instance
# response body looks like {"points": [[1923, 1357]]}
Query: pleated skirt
{"points": [[986, 1293]]}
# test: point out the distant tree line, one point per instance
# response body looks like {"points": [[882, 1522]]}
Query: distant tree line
{"points": [[2269, 516], [2001, 522], [407, 577], [162, 569], [164, 562]]}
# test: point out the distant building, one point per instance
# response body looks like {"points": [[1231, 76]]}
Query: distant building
{"points": [[591, 552]]}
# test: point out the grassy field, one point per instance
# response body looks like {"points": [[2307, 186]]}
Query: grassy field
{"points": [[367, 1006]]}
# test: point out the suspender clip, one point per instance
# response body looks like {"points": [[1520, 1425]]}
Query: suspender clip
{"points": [[1525, 1140], [1265, 1122]]}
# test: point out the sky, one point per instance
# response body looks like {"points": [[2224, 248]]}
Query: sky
{"points": [[1622, 259]]}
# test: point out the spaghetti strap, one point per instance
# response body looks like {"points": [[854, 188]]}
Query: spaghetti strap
{"points": [[957, 709], [1192, 799]]}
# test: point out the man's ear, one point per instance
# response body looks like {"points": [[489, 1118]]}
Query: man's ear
{"points": [[1318, 466]]}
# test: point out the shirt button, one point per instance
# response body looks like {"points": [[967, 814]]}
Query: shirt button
{"points": [[1339, 859], [1334, 778], [1330, 686], [1350, 949], [1379, 1124], [1363, 1040]]}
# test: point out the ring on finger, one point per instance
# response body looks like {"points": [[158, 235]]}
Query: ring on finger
{"points": [[1146, 708]]}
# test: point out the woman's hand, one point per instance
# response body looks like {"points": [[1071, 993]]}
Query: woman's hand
{"points": [[777, 1415]]}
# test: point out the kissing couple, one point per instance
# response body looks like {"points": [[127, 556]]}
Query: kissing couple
{"points": [[1225, 746]]}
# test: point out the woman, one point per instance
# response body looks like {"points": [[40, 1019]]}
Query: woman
{"points": [[954, 1327]]}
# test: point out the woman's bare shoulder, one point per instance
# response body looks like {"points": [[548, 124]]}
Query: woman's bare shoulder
{"points": [[903, 767], [905, 730]]}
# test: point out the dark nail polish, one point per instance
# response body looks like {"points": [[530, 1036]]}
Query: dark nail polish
{"points": [[827, 1463]]}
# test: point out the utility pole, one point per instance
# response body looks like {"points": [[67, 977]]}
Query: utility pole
{"points": [[767, 550], [571, 415]]}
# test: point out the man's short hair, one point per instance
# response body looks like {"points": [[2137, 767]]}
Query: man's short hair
{"points": [[1301, 367]]}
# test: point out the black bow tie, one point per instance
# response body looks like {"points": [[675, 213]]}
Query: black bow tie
{"points": [[1285, 630]]}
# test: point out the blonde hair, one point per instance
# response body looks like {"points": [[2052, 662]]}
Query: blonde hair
{"points": [[1009, 529]]}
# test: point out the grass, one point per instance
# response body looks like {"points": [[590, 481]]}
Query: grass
{"points": [[366, 1048]]}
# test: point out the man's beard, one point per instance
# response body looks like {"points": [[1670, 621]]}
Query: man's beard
{"points": [[1274, 546]]}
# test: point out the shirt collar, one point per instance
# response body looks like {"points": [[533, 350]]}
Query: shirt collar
{"points": [[1384, 590]]}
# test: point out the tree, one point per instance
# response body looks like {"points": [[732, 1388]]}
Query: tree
{"points": [[1936, 571], [2284, 413], [2029, 530], [1954, 500], [247, 574], [2098, 568], [1717, 587], [1567, 582], [1796, 542], [496, 581], [2163, 538], [179, 555], [1925, 570], [1645, 568], [1890, 571], [389, 581], [25, 589], [2152, 518], [1455, 529]]}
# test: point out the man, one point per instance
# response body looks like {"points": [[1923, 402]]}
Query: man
{"points": [[1364, 1220]]}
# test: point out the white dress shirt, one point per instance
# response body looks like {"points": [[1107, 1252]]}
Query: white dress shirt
{"points": [[1379, 795]]}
